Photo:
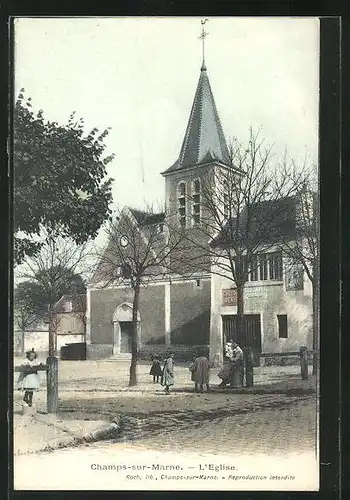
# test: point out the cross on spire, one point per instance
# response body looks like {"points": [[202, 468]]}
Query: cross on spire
{"points": [[202, 37]]}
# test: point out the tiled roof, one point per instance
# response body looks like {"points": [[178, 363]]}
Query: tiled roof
{"points": [[204, 138]]}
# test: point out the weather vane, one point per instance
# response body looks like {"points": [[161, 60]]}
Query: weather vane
{"points": [[202, 37]]}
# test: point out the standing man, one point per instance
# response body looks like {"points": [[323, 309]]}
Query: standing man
{"points": [[200, 373]]}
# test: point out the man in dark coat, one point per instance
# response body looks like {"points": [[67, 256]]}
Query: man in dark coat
{"points": [[201, 372]]}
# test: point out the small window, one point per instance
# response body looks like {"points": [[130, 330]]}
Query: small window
{"points": [[198, 284], [263, 267], [197, 186], [282, 326], [68, 306], [275, 266], [254, 269]]}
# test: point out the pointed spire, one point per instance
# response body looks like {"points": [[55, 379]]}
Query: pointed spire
{"points": [[204, 139]]}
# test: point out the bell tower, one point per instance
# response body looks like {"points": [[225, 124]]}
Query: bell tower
{"points": [[203, 148]]}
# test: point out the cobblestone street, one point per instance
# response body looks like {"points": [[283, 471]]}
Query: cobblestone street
{"points": [[265, 426]]}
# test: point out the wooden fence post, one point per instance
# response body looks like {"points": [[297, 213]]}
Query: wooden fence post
{"points": [[52, 384], [304, 363], [249, 366]]}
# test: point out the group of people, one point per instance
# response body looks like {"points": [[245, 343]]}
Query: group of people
{"points": [[231, 373], [163, 375]]}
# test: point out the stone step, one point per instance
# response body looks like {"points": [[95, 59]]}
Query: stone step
{"points": [[120, 356]]}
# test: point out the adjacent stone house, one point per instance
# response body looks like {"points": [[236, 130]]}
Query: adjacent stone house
{"points": [[277, 296], [69, 316]]}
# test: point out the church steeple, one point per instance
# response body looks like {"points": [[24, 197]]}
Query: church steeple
{"points": [[204, 139]]}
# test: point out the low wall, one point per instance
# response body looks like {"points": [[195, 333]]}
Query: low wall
{"points": [[181, 352], [69, 338], [99, 351], [276, 360], [37, 340]]}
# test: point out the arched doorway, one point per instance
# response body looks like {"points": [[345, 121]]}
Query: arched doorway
{"points": [[122, 328]]}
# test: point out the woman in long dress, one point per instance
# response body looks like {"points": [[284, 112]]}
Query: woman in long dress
{"points": [[168, 373]]}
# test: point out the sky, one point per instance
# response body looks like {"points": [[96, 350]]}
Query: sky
{"points": [[139, 76]]}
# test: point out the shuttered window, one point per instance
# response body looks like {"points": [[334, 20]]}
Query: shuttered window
{"points": [[182, 203]]}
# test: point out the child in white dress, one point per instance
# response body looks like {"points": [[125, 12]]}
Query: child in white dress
{"points": [[28, 379]]}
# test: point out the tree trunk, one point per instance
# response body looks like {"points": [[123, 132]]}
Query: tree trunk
{"points": [[52, 367], [134, 337], [52, 334], [52, 384], [240, 313]]}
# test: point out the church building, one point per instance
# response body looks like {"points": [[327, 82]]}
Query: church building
{"points": [[182, 309]]}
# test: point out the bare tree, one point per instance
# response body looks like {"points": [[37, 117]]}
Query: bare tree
{"points": [[304, 249], [26, 308], [53, 268], [243, 212], [138, 253]]}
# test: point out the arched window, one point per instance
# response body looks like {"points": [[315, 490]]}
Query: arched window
{"points": [[182, 203], [196, 201]]}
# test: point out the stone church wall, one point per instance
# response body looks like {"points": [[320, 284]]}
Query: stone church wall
{"points": [[104, 303], [189, 317], [190, 313]]}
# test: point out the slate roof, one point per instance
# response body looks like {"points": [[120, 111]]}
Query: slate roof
{"points": [[270, 220], [146, 224], [204, 139], [146, 217], [78, 303]]}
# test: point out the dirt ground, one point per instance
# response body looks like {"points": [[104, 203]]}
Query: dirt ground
{"points": [[92, 393]]}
